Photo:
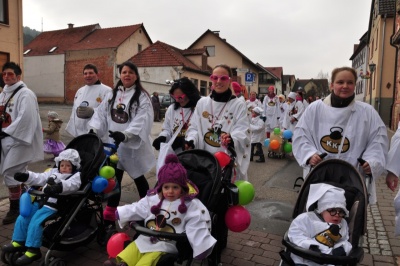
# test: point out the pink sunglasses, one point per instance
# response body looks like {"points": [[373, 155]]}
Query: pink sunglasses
{"points": [[223, 78], [179, 98]]}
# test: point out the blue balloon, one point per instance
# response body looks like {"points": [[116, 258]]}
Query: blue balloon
{"points": [[266, 143], [287, 134], [99, 184], [25, 205]]}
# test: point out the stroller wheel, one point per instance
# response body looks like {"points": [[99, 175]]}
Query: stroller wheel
{"points": [[12, 257], [57, 262], [4, 257]]}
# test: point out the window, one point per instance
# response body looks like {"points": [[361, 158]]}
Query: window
{"points": [[4, 11], [211, 50], [203, 87], [195, 82], [139, 48]]}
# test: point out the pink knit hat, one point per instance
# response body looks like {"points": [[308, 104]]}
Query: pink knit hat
{"points": [[236, 87], [173, 172]]}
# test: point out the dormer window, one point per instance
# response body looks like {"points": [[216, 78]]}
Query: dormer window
{"points": [[27, 51], [53, 49]]}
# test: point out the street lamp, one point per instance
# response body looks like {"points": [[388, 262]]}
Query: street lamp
{"points": [[372, 67]]}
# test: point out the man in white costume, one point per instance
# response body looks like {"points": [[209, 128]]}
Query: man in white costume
{"points": [[21, 134], [271, 110], [86, 100], [343, 128]]}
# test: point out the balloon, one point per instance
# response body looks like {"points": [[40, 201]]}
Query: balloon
{"points": [[246, 192], [266, 143], [110, 185], [107, 172], [99, 184], [237, 218], [222, 158], [277, 131], [116, 244], [114, 158], [287, 134], [274, 144], [287, 147], [25, 204]]}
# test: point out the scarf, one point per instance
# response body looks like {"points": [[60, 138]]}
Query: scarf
{"points": [[338, 102]]}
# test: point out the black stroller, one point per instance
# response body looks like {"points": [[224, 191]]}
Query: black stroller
{"points": [[82, 220], [216, 192], [341, 174]]}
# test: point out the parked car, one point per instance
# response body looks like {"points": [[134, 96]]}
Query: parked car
{"points": [[165, 101]]}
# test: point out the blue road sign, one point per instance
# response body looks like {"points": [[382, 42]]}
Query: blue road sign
{"points": [[249, 77]]}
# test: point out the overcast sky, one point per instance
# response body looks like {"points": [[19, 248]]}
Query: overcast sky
{"points": [[304, 37]]}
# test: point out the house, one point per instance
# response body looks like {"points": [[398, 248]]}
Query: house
{"points": [[54, 60], [271, 76], [161, 63], [312, 87], [360, 64], [222, 52], [11, 41], [382, 55], [395, 117], [288, 82]]}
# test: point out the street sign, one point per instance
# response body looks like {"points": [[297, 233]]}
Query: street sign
{"points": [[249, 77], [242, 69]]}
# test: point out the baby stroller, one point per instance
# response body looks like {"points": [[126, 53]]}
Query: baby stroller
{"points": [[341, 174], [216, 192], [81, 221]]}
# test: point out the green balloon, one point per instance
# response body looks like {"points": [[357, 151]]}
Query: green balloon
{"points": [[277, 131], [246, 192], [287, 147]]}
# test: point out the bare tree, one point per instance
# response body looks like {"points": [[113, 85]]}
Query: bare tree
{"points": [[322, 75]]}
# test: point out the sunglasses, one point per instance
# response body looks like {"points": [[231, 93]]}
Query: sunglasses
{"points": [[222, 78], [179, 98], [333, 212], [8, 74]]}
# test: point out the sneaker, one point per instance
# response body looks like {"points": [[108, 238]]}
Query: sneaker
{"points": [[13, 247], [28, 258]]}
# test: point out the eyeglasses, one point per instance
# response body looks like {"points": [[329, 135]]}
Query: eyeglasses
{"points": [[9, 74], [333, 212], [179, 98], [223, 78]]}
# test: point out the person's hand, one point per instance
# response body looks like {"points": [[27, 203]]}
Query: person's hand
{"points": [[117, 136], [189, 145], [226, 139], [178, 143], [292, 120], [391, 181], [314, 160], [339, 251], [21, 177], [264, 118], [366, 168], [314, 248], [84, 112], [53, 189], [52, 180], [157, 142]]}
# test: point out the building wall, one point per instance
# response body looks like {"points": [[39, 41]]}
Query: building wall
{"points": [[11, 40], [47, 81], [130, 47], [360, 64]]}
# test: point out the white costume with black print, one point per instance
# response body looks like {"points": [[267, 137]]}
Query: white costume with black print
{"points": [[271, 112]]}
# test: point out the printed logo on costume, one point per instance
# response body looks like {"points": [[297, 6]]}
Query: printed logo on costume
{"points": [[159, 223], [328, 237], [331, 142], [5, 117], [119, 115], [213, 136]]}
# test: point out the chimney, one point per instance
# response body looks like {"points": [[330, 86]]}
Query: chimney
{"points": [[216, 32], [70, 25]]}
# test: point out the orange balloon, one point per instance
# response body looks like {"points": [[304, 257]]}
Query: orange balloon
{"points": [[274, 144]]}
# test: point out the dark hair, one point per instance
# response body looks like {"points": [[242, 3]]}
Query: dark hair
{"points": [[226, 67], [138, 89], [188, 88], [15, 67], [340, 69], [91, 66]]}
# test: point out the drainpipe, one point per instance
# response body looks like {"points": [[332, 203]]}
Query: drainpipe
{"points": [[381, 64], [395, 76]]}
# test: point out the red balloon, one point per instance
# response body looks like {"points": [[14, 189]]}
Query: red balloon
{"points": [[110, 186], [222, 158], [116, 244], [237, 218]]}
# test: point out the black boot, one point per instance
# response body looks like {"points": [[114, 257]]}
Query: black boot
{"points": [[13, 213], [261, 159]]}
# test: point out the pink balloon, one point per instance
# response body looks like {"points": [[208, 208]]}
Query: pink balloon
{"points": [[222, 158], [237, 218], [116, 244], [110, 186]]}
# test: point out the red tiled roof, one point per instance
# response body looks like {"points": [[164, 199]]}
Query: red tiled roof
{"points": [[161, 54], [276, 71], [199, 51], [106, 38], [62, 39]]}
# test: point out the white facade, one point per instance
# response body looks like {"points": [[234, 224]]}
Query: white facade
{"points": [[360, 64]]}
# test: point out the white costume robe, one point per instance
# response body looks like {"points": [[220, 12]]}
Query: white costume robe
{"points": [[271, 112], [93, 95], [252, 104], [282, 107], [257, 128], [25, 143], [294, 110], [306, 226], [393, 165], [212, 118], [196, 222], [135, 153], [322, 128], [173, 119]]}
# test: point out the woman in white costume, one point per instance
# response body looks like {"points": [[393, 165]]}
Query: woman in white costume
{"points": [[343, 128], [127, 114]]}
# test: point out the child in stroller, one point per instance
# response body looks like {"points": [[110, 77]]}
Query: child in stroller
{"points": [[343, 175], [170, 207], [324, 229], [28, 230]]}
